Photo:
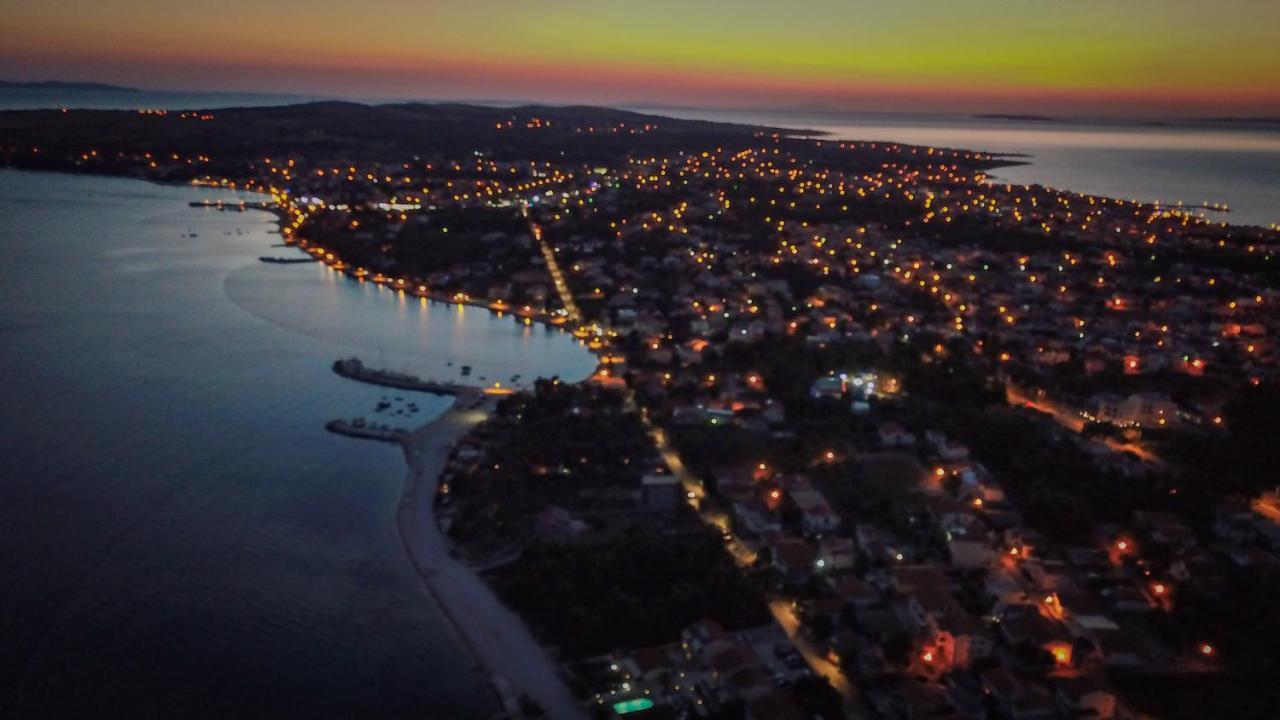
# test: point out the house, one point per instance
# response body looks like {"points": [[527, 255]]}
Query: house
{"points": [[699, 635], [970, 545], [946, 449], [1025, 626], [928, 606], [855, 592], [817, 517], [660, 493], [893, 435], [556, 523], [1137, 410], [877, 544], [908, 578], [794, 557], [827, 387], [950, 513], [1086, 696], [1117, 649], [752, 518], [735, 484], [725, 669], [966, 637], [835, 553]]}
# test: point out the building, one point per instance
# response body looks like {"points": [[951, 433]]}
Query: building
{"points": [[660, 493]]}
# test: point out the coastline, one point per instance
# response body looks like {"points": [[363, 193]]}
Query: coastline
{"points": [[229, 528], [498, 639], [527, 316]]}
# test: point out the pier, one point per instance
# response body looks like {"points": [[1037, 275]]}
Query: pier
{"points": [[358, 428], [237, 206], [354, 369], [288, 261]]}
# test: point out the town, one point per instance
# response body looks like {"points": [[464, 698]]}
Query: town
{"points": [[871, 435]]}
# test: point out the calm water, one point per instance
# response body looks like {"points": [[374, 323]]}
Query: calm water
{"points": [[178, 530], [1194, 165]]}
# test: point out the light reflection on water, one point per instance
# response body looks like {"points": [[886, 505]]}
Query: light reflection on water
{"points": [[410, 334]]}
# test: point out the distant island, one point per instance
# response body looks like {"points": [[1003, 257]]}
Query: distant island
{"points": [[1269, 121], [1018, 118], [61, 85]]}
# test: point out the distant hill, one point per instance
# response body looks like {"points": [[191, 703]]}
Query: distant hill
{"points": [[60, 85], [1239, 120], [331, 132], [1019, 118]]}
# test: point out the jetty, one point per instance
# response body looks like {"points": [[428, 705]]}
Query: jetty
{"points": [[287, 261], [359, 428], [233, 206], [354, 369]]}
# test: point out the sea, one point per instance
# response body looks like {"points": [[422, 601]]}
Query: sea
{"points": [[181, 536]]}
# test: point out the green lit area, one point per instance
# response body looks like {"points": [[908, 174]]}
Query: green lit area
{"points": [[630, 706]]}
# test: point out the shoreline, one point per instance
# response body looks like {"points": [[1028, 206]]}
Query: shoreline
{"points": [[406, 288], [499, 641]]}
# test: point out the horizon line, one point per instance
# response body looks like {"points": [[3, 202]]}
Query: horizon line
{"points": [[814, 108]]}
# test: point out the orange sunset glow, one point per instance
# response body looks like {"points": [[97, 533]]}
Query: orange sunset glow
{"points": [[1136, 58]]}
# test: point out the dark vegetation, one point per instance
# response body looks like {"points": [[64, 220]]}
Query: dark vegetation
{"points": [[635, 590], [573, 446]]}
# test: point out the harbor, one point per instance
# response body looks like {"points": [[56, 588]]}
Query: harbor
{"points": [[354, 369]]}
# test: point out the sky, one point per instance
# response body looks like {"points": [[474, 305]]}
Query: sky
{"points": [[1140, 58]]}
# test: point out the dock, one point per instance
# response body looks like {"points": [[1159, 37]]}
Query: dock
{"points": [[358, 428], [288, 261], [233, 206], [354, 369]]}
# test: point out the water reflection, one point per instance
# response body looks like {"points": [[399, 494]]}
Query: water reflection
{"points": [[1148, 162], [174, 519]]}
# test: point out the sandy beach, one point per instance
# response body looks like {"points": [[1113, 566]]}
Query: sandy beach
{"points": [[498, 639]]}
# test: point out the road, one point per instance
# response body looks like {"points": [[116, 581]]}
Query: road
{"points": [[744, 557], [1073, 422], [557, 277], [782, 613]]}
